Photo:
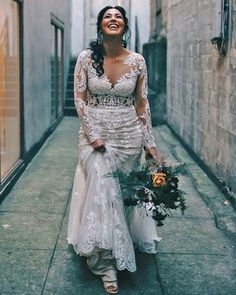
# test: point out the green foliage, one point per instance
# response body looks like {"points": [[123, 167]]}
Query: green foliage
{"points": [[138, 188]]}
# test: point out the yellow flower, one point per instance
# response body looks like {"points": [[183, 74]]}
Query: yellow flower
{"points": [[158, 179]]}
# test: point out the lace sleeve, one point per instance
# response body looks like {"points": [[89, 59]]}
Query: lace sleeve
{"points": [[80, 96], [142, 104]]}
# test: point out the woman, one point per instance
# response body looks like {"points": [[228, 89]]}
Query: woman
{"points": [[111, 100]]}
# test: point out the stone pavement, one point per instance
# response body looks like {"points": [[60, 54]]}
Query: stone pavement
{"points": [[196, 255]]}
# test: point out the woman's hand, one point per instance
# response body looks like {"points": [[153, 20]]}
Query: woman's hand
{"points": [[151, 152], [99, 145]]}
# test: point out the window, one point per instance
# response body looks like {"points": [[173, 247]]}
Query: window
{"points": [[221, 26], [9, 87]]}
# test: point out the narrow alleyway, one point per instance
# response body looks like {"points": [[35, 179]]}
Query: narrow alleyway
{"points": [[197, 255]]}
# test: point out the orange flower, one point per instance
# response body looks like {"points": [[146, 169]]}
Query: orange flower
{"points": [[158, 179]]}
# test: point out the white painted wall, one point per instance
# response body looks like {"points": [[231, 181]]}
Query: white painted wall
{"points": [[141, 8], [78, 27], [38, 42]]}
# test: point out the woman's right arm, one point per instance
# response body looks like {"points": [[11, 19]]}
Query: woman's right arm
{"points": [[80, 99]]}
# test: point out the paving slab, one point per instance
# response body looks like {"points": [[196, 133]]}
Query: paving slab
{"points": [[196, 207], [69, 275], [53, 178], [196, 255], [62, 243], [194, 236], [29, 230], [23, 271], [197, 274], [43, 200]]}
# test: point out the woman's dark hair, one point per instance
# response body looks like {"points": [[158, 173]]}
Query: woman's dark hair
{"points": [[97, 45]]}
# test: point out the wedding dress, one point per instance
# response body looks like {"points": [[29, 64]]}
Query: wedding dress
{"points": [[118, 113]]}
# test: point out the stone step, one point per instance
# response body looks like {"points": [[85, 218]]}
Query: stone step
{"points": [[69, 102], [69, 93], [70, 111]]}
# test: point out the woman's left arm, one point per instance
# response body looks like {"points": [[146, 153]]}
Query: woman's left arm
{"points": [[143, 109]]}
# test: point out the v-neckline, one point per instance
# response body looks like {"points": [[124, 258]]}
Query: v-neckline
{"points": [[121, 77], [117, 81]]}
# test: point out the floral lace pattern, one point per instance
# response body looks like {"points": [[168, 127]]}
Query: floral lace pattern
{"points": [[130, 89], [119, 114]]}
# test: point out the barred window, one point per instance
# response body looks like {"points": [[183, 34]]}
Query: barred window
{"points": [[221, 26]]}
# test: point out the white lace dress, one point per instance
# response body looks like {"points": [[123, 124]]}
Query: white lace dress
{"points": [[119, 114]]}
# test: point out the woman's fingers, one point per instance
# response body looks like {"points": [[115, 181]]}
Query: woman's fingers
{"points": [[99, 145], [101, 149]]}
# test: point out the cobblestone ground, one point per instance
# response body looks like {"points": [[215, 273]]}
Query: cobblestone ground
{"points": [[196, 254]]}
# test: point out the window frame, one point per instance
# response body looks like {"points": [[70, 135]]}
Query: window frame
{"points": [[58, 26], [9, 180]]}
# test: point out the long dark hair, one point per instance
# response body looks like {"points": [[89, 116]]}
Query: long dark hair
{"points": [[97, 45]]}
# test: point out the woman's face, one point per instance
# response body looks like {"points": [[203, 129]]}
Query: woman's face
{"points": [[113, 23]]}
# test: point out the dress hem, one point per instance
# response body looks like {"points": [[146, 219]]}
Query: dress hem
{"points": [[80, 253]]}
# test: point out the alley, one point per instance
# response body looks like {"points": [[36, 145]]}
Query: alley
{"points": [[196, 256]]}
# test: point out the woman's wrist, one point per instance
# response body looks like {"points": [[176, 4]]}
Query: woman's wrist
{"points": [[151, 152]]}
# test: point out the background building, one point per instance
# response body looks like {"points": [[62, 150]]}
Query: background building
{"points": [[190, 50], [201, 105], [201, 78], [155, 53], [34, 57], [78, 27]]}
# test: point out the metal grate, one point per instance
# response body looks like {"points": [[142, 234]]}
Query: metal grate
{"points": [[221, 41]]}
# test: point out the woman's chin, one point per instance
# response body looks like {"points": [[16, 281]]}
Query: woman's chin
{"points": [[113, 33]]}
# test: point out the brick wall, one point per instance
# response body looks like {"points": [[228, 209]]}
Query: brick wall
{"points": [[201, 85]]}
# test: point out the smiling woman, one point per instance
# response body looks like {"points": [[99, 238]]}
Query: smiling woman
{"points": [[110, 92], [112, 21]]}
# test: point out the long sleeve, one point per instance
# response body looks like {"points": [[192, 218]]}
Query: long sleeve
{"points": [[142, 104], [80, 96]]}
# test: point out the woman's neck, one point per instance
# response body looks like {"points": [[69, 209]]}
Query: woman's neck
{"points": [[112, 47]]}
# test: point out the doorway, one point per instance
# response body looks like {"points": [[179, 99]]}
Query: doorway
{"points": [[57, 73]]}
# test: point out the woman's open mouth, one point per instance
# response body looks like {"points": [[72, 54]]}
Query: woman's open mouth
{"points": [[113, 26]]}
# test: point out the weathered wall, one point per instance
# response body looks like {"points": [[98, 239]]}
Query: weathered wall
{"points": [[155, 51], [37, 44], [164, 6], [158, 19], [141, 9], [201, 102], [153, 15], [78, 27]]}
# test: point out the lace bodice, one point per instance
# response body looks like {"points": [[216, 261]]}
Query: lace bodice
{"points": [[129, 89]]}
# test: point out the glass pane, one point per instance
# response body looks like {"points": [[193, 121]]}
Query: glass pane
{"points": [[60, 71], [53, 76], [9, 86]]}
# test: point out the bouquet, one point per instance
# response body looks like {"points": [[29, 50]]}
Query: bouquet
{"points": [[154, 184]]}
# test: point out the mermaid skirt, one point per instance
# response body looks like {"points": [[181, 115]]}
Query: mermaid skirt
{"points": [[98, 218]]}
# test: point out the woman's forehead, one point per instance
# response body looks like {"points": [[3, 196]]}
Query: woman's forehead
{"points": [[112, 11]]}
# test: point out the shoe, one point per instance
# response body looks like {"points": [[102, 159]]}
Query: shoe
{"points": [[111, 287]]}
